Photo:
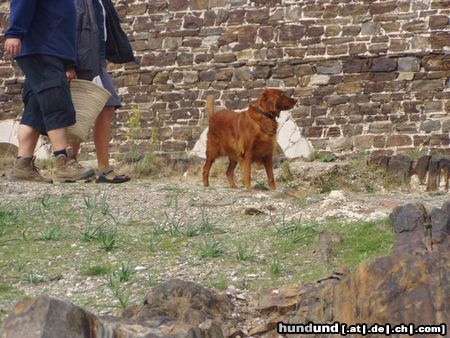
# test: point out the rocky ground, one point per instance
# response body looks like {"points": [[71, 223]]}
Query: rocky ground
{"points": [[238, 218]]}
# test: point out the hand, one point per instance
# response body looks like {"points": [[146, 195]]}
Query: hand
{"points": [[71, 74], [13, 47]]}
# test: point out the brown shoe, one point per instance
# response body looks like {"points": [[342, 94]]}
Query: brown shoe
{"points": [[25, 170], [69, 170]]}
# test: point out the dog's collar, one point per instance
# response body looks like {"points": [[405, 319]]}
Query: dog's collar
{"points": [[266, 114]]}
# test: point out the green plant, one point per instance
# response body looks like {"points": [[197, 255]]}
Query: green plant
{"points": [[96, 270], [261, 185], [324, 157], [369, 188], [147, 165], [437, 193], [51, 233], [219, 281], [153, 242], [90, 201], [5, 287], [90, 231], [190, 230], [7, 220], [206, 226], [33, 278], [125, 272], [211, 248], [134, 123], [104, 205], [113, 284], [242, 253], [286, 173], [45, 201], [275, 267], [108, 239]]}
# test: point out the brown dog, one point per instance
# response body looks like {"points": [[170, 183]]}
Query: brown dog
{"points": [[245, 137]]}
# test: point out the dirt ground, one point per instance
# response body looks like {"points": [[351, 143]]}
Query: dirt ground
{"points": [[56, 238]]}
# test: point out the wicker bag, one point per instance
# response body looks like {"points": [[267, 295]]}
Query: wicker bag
{"points": [[89, 100]]}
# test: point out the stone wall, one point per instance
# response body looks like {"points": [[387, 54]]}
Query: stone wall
{"points": [[368, 75]]}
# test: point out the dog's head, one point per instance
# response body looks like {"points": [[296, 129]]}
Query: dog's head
{"points": [[273, 101]]}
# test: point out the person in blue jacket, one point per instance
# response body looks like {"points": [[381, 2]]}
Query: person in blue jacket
{"points": [[42, 38], [100, 38]]}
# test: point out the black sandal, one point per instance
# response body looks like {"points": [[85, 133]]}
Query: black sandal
{"points": [[118, 179]]}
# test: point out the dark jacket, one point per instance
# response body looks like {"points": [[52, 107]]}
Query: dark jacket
{"points": [[89, 61], [45, 27], [92, 49]]}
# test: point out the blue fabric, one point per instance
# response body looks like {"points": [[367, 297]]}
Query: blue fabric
{"points": [[45, 27], [46, 93], [100, 19]]}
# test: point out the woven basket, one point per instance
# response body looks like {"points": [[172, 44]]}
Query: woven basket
{"points": [[89, 100]]}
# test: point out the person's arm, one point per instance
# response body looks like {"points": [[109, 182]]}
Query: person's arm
{"points": [[20, 17]]}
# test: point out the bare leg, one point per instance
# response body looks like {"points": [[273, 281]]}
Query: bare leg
{"points": [[230, 173], [58, 138], [102, 131], [28, 138], [268, 164]]}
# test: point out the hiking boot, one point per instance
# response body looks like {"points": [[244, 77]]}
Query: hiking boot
{"points": [[69, 170], [25, 170]]}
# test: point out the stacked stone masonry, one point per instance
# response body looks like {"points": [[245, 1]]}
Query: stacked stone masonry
{"points": [[368, 75]]}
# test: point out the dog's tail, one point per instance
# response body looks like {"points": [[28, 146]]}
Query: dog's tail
{"points": [[210, 105]]}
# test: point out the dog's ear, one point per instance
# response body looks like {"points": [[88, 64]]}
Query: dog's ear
{"points": [[269, 102]]}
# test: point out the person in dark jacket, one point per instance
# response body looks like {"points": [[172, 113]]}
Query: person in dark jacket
{"points": [[42, 38], [101, 38]]}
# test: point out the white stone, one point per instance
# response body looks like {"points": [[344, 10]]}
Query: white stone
{"points": [[319, 79], [200, 146], [8, 134], [337, 195], [408, 76], [210, 41]]}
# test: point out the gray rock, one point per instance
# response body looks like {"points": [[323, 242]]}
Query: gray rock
{"points": [[50, 317], [408, 217], [430, 125], [400, 166], [370, 28], [440, 225], [174, 309], [178, 302], [446, 207], [408, 64], [329, 67]]}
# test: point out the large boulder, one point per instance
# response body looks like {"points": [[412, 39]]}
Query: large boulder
{"points": [[187, 305], [175, 309], [45, 316], [408, 217], [440, 225], [410, 286]]}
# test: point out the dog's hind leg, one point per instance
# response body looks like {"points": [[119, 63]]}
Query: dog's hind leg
{"points": [[246, 170], [268, 164], [206, 168], [230, 173]]}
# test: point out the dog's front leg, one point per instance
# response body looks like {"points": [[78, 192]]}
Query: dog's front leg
{"points": [[268, 164], [246, 169]]}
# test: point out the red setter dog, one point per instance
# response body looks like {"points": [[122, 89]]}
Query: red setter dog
{"points": [[245, 137]]}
